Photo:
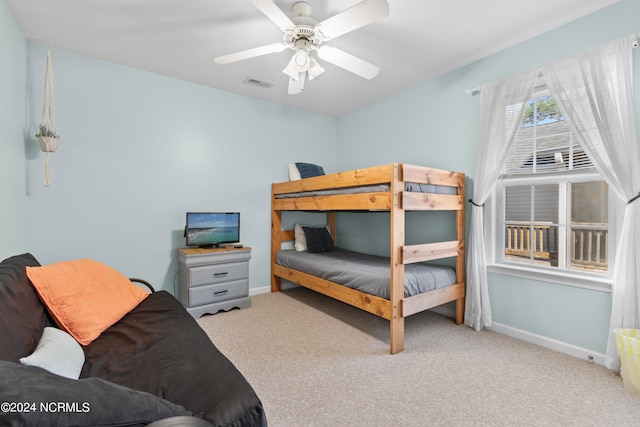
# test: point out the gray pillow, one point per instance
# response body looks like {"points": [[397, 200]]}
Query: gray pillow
{"points": [[57, 352], [318, 239]]}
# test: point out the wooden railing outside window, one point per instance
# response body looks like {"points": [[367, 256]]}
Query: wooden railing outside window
{"points": [[588, 244], [519, 241]]}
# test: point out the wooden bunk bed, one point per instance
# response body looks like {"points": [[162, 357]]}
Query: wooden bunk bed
{"points": [[396, 200]]}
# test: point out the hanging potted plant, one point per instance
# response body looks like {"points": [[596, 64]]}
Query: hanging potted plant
{"points": [[46, 133], [47, 138]]}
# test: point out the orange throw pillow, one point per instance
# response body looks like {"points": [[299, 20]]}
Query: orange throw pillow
{"points": [[85, 297]]}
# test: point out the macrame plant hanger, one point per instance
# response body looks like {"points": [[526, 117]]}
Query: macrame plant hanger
{"points": [[46, 134]]}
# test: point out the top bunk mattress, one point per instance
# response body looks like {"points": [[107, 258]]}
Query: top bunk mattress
{"points": [[367, 273], [381, 188]]}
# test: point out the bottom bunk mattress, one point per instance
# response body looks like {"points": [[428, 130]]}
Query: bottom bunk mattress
{"points": [[366, 273]]}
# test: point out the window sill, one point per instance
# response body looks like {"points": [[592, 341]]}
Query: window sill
{"points": [[602, 284]]}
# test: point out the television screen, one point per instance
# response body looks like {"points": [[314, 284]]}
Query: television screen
{"points": [[210, 229]]}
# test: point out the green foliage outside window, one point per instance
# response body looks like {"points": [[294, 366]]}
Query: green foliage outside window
{"points": [[542, 111]]}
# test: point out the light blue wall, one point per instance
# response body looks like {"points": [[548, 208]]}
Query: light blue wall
{"points": [[435, 123], [13, 166], [138, 150]]}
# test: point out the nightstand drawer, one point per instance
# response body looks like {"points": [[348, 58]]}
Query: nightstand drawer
{"points": [[218, 273], [221, 292]]}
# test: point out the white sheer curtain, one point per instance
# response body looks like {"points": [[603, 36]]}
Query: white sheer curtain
{"points": [[594, 92], [502, 106]]}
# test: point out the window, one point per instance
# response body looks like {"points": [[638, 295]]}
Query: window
{"points": [[552, 206]]}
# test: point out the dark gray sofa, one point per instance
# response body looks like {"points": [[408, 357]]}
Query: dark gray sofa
{"points": [[155, 363]]}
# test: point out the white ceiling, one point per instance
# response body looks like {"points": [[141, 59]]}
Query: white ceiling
{"points": [[419, 40]]}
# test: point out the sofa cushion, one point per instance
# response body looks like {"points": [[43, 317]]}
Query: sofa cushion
{"points": [[159, 348], [57, 352], [86, 402], [84, 296], [22, 315]]}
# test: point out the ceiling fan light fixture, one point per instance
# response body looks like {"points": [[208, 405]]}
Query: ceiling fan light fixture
{"points": [[301, 59], [291, 71], [314, 69], [299, 63]]}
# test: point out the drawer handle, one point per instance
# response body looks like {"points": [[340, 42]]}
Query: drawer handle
{"points": [[220, 274], [220, 293]]}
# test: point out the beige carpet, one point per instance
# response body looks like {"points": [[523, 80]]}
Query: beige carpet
{"points": [[317, 362]]}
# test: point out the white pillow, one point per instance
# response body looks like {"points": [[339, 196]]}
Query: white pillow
{"points": [[57, 352], [301, 238], [294, 173]]}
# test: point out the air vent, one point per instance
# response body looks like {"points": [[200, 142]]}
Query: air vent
{"points": [[256, 82]]}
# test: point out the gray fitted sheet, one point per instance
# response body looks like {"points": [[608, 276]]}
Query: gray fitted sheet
{"points": [[381, 188], [367, 273]]}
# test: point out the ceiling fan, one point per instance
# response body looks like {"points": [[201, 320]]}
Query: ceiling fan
{"points": [[303, 35]]}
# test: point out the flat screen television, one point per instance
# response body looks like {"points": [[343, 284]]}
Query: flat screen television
{"points": [[211, 229]]}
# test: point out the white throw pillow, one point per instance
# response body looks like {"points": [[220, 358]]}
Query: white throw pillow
{"points": [[301, 238], [57, 352], [294, 173]]}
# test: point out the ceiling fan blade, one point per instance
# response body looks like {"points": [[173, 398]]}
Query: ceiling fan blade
{"points": [[296, 86], [355, 17], [275, 14], [249, 53], [349, 62]]}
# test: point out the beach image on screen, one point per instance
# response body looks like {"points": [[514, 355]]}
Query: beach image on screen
{"points": [[207, 228]]}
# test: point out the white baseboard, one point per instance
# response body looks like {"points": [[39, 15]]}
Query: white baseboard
{"points": [[550, 343]]}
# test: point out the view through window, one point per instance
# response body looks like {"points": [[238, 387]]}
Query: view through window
{"points": [[555, 210]]}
